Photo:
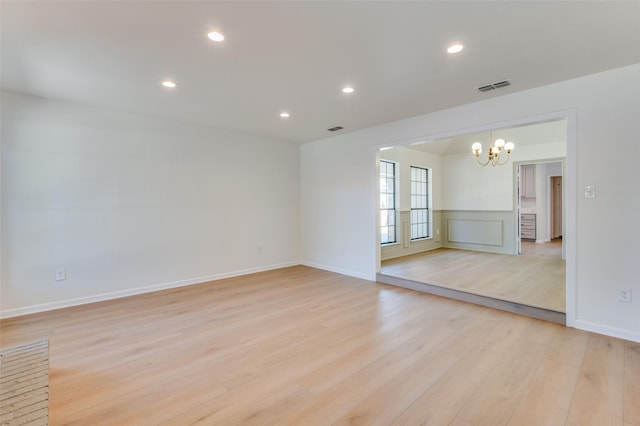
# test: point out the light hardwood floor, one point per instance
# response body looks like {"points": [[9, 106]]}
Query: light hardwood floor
{"points": [[537, 278], [300, 346]]}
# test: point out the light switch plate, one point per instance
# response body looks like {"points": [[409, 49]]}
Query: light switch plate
{"points": [[61, 274], [589, 191]]}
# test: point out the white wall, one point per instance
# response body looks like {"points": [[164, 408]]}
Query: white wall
{"points": [[338, 207], [128, 204], [470, 187], [605, 246], [488, 188]]}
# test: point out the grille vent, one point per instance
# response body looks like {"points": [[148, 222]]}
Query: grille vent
{"points": [[494, 86], [333, 129]]}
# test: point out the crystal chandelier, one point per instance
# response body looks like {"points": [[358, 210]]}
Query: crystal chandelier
{"points": [[496, 155]]}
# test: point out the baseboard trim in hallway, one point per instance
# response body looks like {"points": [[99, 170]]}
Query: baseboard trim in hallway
{"points": [[503, 305]]}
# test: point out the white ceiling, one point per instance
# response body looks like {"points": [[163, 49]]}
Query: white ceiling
{"points": [[296, 56]]}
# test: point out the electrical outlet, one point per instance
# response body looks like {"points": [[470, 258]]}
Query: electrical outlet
{"points": [[61, 274], [624, 295]]}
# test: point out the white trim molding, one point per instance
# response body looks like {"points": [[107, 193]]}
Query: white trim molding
{"points": [[135, 291], [607, 331], [340, 271]]}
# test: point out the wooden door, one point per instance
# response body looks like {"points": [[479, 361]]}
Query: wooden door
{"points": [[556, 207]]}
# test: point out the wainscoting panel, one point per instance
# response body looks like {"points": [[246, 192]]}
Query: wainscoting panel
{"points": [[405, 246], [487, 230]]}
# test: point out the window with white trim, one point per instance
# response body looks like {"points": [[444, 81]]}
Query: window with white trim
{"points": [[420, 215], [387, 202]]}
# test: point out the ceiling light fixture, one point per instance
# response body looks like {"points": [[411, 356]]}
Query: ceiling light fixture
{"points": [[455, 48], [347, 89], [285, 115], [495, 151], [169, 84], [215, 36]]}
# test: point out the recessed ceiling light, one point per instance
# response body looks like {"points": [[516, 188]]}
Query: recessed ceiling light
{"points": [[169, 84], [215, 36], [285, 115], [347, 89], [455, 48]]}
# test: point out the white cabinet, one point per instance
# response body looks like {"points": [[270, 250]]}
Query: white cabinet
{"points": [[528, 181], [528, 226]]}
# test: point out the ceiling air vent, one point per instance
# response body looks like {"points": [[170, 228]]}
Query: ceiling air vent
{"points": [[494, 86], [501, 84], [333, 129]]}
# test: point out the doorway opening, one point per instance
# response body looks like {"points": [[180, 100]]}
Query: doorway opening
{"points": [[539, 208], [484, 262]]}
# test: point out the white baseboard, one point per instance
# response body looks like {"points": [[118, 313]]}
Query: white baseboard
{"points": [[608, 331], [339, 271], [33, 309]]}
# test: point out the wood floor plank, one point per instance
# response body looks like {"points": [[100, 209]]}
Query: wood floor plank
{"points": [[406, 386], [440, 403], [536, 278], [548, 397], [402, 390], [329, 375], [187, 389], [632, 384], [496, 399], [329, 406], [272, 409], [305, 346], [599, 395]]}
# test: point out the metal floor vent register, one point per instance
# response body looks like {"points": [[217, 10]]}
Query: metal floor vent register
{"points": [[24, 384]]}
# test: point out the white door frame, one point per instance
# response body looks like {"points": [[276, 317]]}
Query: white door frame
{"points": [[569, 189]]}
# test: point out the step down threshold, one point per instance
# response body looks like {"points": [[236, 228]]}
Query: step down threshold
{"points": [[503, 305]]}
